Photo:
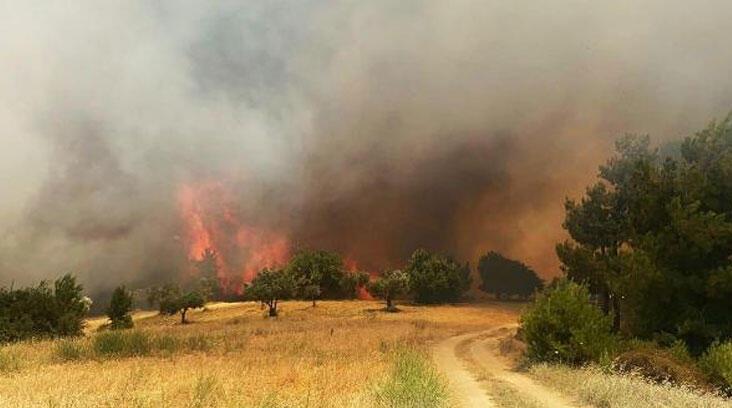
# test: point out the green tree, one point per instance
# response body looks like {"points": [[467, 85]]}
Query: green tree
{"points": [[506, 277], [655, 233], [564, 326], [171, 300], [436, 278], [119, 309], [42, 311], [311, 292], [327, 271], [270, 286], [389, 286]]}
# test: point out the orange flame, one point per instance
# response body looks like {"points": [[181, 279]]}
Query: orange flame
{"points": [[352, 266], [212, 222]]}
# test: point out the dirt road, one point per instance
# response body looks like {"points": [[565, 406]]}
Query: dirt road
{"points": [[471, 361]]}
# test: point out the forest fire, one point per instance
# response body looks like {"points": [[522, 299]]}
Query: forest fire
{"points": [[212, 221], [352, 266]]}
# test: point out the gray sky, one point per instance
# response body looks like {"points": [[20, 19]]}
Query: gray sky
{"points": [[367, 127]]}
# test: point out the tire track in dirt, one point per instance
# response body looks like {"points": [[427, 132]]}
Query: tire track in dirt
{"points": [[467, 390], [480, 351]]}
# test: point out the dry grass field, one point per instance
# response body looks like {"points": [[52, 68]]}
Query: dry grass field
{"points": [[337, 354]]}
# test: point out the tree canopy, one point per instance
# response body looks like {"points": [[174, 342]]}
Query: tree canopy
{"points": [[653, 238], [436, 278], [506, 277], [270, 286], [389, 286], [326, 270]]}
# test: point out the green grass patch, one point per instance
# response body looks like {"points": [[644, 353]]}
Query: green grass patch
{"points": [[411, 383]]}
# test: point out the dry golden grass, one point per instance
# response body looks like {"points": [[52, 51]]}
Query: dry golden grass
{"points": [[327, 356]]}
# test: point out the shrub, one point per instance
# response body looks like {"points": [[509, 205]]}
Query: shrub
{"points": [[717, 364], [119, 309], [564, 326], [436, 278], [43, 311], [660, 365]]}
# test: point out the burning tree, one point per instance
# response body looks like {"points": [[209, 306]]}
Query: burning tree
{"points": [[270, 286], [389, 286], [208, 270]]}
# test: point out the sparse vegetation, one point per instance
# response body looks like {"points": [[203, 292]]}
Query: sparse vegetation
{"points": [[232, 357], [602, 389]]}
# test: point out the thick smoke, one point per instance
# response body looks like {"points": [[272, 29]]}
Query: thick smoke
{"points": [[371, 128]]}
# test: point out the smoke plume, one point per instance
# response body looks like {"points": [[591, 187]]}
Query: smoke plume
{"points": [[137, 133]]}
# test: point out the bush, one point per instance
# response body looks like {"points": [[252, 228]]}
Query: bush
{"points": [[436, 278], [119, 309], [564, 326], [43, 311], [660, 365], [717, 364]]}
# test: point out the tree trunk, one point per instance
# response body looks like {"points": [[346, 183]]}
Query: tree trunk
{"points": [[313, 302], [390, 305], [272, 309], [605, 301], [183, 316], [616, 313]]}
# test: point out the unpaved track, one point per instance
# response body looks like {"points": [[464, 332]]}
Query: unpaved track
{"points": [[466, 388], [484, 352]]}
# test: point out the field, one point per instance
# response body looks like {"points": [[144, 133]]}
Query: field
{"points": [[333, 355], [337, 354]]}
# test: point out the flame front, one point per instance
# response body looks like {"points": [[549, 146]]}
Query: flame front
{"points": [[213, 222]]}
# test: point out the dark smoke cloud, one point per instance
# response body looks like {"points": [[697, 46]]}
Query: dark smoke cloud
{"points": [[372, 128]]}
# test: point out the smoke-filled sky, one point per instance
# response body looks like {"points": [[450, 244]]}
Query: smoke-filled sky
{"points": [[367, 127]]}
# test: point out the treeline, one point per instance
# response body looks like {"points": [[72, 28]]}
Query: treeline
{"points": [[651, 251], [427, 278]]}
